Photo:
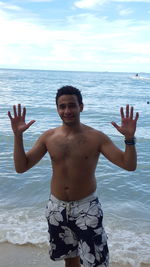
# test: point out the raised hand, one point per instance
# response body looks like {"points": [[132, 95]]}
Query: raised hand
{"points": [[18, 123], [128, 122]]}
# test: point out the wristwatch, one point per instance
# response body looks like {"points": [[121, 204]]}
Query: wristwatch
{"points": [[130, 142]]}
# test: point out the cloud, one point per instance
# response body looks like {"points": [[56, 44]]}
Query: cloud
{"points": [[10, 7], [125, 12], [81, 42], [133, 1], [39, 1], [88, 3], [93, 3]]}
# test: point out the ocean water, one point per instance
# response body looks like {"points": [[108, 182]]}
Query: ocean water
{"points": [[124, 195]]}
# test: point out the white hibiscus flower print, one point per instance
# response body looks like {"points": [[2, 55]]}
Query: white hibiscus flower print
{"points": [[86, 256], [52, 247], [53, 214], [68, 237], [89, 216]]}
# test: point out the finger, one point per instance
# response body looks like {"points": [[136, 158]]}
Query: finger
{"points": [[9, 115], [131, 113], [122, 112], [15, 112], [24, 112], [136, 116], [19, 109], [127, 111]]}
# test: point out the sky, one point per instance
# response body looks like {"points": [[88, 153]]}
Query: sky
{"points": [[76, 35]]}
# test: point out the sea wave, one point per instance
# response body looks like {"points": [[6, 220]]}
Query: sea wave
{"points": [[28, 226], [23, 226]]}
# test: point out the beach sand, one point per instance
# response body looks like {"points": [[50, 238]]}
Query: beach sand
{"points": [[31, 256]]}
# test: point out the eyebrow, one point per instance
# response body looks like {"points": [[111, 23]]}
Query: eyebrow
{"points": [[64, 104]]}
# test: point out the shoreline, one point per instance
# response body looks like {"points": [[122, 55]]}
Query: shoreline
{"points": [[12, 255]]}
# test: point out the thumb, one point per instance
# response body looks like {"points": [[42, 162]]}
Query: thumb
{"points": [[30, 123], [115, 125]]}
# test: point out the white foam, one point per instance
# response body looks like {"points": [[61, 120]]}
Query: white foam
{"points": [[22, 227], [128, 247], [29, 226], [140, 78]]}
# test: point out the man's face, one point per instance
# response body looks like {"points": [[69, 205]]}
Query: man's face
{"points": [[69, 109]]}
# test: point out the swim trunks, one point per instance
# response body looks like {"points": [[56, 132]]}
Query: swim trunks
{"points": [[75, 229]]}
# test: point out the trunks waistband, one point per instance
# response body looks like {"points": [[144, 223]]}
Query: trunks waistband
{"points": [[76, 202]]}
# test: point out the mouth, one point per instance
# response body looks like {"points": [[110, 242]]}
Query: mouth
{"points": [[68, 117]]}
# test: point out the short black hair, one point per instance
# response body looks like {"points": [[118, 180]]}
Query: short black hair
{"points": [[69, 90]]}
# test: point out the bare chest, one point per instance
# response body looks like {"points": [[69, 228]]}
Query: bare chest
{"points": [[72, 148]]}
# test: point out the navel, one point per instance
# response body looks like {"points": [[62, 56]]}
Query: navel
{"points": [[66, 188]]}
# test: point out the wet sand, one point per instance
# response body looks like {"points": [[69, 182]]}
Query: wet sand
{"points": [[32, 256]]}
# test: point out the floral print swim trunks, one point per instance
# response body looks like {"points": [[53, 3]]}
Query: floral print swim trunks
{"points": [[75, 229]]}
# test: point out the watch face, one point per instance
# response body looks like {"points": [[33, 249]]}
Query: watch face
{"points": [[131, 141]]}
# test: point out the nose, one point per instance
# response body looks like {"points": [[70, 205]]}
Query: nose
{"points": [[67, 110]]}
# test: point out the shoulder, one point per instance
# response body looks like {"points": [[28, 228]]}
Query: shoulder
{"points": [[47, 135], [95, 135], [94, 132]]}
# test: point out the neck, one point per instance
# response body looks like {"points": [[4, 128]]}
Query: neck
{"points": [[72, 128]]}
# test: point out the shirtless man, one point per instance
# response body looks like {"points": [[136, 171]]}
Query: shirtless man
{"points": [[74, 212]]}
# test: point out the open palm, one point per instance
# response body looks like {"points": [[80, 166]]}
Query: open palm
{"points": [[18, 121], [128, 122]]}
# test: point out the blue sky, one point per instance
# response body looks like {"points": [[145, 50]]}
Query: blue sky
{"points": [[84, 35]]}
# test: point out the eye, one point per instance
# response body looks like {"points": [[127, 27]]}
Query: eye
{"points": [[62, 106], [72, 105]]}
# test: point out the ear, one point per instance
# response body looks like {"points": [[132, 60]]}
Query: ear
{"points": [[81, 107]]}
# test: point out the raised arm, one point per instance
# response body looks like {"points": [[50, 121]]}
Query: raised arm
{"points": [[24, 161], [128, 158]]}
